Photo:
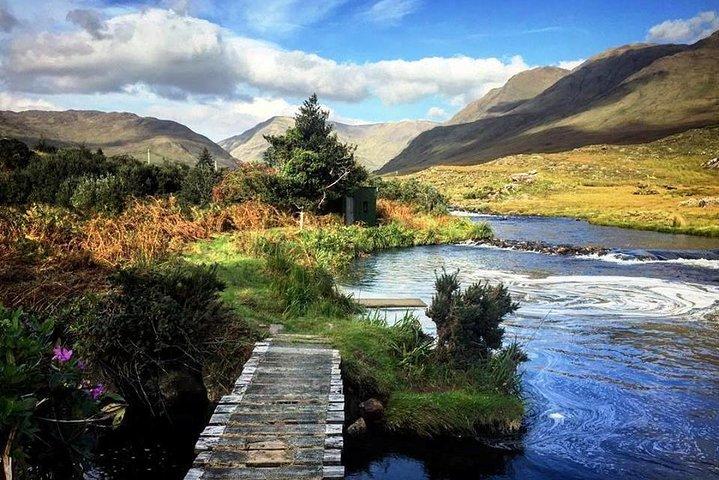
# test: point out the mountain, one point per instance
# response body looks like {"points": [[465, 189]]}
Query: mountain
{"points": [[521, 87], [114, 132], [632, 94], [376, 142]]}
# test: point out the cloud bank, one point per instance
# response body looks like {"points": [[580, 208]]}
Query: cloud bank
{"points": [[176, 56], [685, 30]]}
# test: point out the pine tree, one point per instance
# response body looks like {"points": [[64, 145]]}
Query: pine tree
{"points": [[205, 159], [318, 167]]}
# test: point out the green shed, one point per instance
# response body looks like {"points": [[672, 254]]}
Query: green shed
{"points": [[361, 207]]}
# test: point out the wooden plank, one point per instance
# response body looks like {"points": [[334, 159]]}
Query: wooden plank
{"points": [[391, 302], [284, 418]]}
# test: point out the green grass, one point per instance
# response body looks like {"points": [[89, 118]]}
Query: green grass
{"points": [[281, 281], [653, 186]]}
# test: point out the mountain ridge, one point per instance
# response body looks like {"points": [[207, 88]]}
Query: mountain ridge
{"points": [[514, 92], [113, 132], [618, 96], [376, 142]]}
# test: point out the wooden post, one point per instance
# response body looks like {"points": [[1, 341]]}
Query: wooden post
{"points": [[302, 219]]}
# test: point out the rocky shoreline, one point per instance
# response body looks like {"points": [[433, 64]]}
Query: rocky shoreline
{"points": [[540, 247]]}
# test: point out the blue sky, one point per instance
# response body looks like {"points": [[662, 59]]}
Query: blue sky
{"points": [[220, 67]]}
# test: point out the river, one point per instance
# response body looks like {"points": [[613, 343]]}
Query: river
{"points": [[622, 379]]}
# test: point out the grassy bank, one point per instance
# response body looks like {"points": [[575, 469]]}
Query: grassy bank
{"points": [[282, 276], [660, 186]]}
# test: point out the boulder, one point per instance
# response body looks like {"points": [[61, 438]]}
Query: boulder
{"points": [[372, 410], [358, 428]]}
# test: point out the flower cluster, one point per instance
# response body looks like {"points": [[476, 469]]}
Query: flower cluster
{"points": [[64, 356]]}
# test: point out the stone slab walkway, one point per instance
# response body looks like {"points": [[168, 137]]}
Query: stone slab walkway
{"points": [[283, 420]]}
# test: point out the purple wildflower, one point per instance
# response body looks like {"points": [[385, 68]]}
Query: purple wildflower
{"points": [[61, 354], [81, 365], [97, 391]]}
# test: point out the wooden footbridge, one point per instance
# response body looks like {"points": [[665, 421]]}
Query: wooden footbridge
{"points": [[282, 421]]}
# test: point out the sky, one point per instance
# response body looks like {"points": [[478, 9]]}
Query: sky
{"points": [[220, 67]]}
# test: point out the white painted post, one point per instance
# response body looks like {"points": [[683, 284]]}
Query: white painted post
{"points": [[302, 219]]}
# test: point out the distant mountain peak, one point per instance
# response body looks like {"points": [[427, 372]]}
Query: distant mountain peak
{"points": [[376, 142]]}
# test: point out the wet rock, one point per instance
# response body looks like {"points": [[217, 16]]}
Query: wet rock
{"points": [[358, 428], [541, 247], [372, 410]]}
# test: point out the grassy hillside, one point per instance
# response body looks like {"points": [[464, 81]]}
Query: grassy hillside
{"points": [[519, 88], [376, 143], [634, 94], [114, 132], [661, 185]]}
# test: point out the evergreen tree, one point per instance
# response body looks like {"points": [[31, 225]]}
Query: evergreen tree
{"points": [[199, 182], [318, 167], [205, 159]]}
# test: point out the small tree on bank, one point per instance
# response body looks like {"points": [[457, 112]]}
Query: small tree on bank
{"points": [[468, 322], [318, 167], [199, 182]]}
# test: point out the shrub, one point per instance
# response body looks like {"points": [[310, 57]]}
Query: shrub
{"points": [[468, 322], [103, 195], [424, 197], [152, 324], [13, 154], [46, 395], [199, 182], [44, 146], [254, 182]]}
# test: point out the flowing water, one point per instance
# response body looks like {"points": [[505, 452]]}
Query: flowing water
{"points": [[623, 373]]}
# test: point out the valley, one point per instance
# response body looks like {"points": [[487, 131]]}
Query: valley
{"points": [[664, 185]]}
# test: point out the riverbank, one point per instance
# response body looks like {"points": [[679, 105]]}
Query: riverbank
{"points": [[668, 185], [284, 276]]}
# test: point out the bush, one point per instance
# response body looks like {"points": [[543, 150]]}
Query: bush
{"points": [[468, 322], [199, 182], [254, 182], [424, 197], [103, 182], [46, 401], [13, 154], [103, 195], [152, 325]]}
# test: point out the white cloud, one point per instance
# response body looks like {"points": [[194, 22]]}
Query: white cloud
{"points": [[685, 30], [391, 12], [176, 55], [220, 119], [437, 113], [570, 64], [9, 101]]}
